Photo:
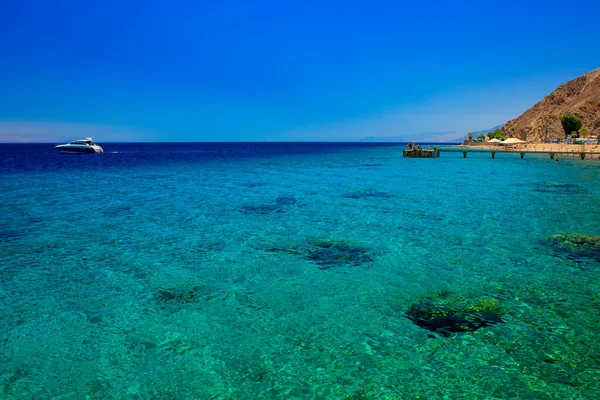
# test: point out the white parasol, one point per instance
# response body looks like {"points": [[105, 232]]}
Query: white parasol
{"points": [[513, 140]]}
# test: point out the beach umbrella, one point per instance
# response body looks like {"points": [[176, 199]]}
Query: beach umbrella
{"points": [[494, 140], [513, 140]]}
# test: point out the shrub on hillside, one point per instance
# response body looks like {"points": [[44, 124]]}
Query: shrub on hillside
{"points": [[570, 123]]}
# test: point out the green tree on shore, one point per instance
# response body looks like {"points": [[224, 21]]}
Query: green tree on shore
{"points": [[497, 134], [571, 124], [470, 136]]}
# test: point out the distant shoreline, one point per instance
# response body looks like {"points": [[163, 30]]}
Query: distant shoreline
{"points": [[251, 142]]}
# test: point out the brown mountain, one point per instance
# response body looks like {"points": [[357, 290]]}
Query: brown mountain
{"points": [[581, 97]]}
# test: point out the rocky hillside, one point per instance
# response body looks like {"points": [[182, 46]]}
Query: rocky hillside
{"points": [[581, 97]]}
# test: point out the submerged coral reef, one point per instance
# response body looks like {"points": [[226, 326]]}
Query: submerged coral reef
{"points": [[286, 200], [446, 313], [576, 246], [176, 295], [330, 253], [280, 205], [261, 208], [559, 188], [363, 194]]}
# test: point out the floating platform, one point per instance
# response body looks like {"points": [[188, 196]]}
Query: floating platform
{"points": [[425, 153]]}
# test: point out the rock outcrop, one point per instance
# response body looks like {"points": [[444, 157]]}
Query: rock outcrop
{"points": [[580, 96]]}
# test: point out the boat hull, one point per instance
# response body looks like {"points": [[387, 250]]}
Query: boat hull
{"points": [[70, 149]]}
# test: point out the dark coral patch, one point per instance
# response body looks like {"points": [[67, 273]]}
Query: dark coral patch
{"points": [[286, 200], [449, 314], [560, 188], [445, 321], [262, 208], [119, 210], [6, 236], [209, 247], [576, 246], [253, 184], [176, 295], [280, 205], [329, 254]]}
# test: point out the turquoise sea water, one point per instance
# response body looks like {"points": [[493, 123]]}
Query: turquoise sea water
{"points": [[285, 271]]}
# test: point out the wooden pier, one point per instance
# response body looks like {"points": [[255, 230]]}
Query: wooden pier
{"points": [[573, 153]]}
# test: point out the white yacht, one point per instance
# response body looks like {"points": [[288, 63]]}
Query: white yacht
{"points": [[81, 146]]}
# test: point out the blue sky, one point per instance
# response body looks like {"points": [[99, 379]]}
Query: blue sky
{"points": [[276, 70]]}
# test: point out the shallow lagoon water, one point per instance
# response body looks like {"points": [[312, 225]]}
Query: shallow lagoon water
{"points": [[285, 271]]}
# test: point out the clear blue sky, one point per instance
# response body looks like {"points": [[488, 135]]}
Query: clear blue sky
{"points": [[278, 70]]}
